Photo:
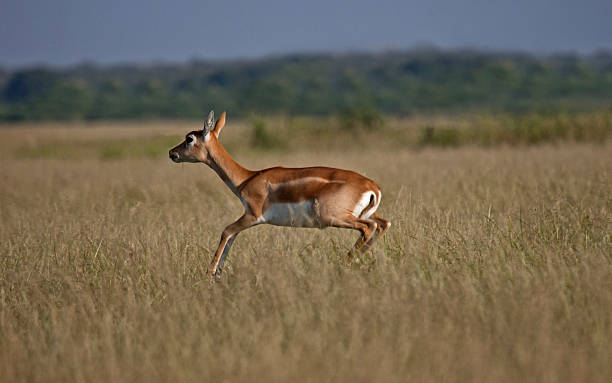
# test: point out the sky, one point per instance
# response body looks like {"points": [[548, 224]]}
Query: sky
{"points": [[67, 32]]}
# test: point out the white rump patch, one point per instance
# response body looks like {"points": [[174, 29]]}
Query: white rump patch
{"points": [[364, 201], [300, 214]]}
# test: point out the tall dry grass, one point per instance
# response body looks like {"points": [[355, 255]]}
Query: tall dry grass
{"points": [[498, 267]]}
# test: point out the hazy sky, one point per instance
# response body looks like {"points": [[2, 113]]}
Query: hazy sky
{"points": [[70, 31]]}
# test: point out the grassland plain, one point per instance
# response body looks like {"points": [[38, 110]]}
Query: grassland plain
{"points": [[498, 266]]}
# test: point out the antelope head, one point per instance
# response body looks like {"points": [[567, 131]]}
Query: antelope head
{"points": [[197, 143]]}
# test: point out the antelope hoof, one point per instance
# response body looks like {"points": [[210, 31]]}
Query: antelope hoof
{"points": [[212, 275], [351, 258]]}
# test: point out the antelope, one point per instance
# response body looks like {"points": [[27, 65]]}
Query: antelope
{"points": [[313, 197]]}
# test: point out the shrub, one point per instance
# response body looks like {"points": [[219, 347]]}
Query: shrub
{"points": [[364, 117], [263, 139], [437, 136]]}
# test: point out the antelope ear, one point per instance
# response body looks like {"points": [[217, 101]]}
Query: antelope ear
{"points": [[208, 126], [220, 124]]}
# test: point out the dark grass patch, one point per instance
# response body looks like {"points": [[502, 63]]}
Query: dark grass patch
{"points": [[139, 147]]}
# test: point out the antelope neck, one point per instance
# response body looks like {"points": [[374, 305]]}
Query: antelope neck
{"points": [[230, 171]]}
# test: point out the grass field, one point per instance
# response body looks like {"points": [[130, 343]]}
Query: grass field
{"points": [[498, 266]]}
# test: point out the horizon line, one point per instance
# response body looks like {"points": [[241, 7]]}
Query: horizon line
{"points": [[421, 48]]}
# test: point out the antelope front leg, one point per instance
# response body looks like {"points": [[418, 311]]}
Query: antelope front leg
{"points": [[244, 222], [226, 250]]}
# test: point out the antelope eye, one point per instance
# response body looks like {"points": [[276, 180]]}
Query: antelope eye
{"points": [[189, 139]]}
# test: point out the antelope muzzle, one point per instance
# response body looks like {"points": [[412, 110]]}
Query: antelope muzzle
{"points": [[174, 156]]}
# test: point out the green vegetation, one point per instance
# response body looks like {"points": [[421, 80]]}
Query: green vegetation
{"points": [[153, 139], [264, 139], [518, 130], [356, 87], [154, 146]]}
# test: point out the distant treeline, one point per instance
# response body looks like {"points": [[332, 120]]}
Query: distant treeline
{"points": [[398, 83]]}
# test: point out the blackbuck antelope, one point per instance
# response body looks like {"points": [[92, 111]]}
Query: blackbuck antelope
{"points": [[316, 197]]}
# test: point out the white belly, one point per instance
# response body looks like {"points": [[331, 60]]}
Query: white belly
{"points": [[299, 214]]}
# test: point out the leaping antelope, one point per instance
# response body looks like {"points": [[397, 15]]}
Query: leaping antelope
{"points": [[315, 197]]}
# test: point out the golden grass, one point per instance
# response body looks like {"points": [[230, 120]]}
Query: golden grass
{"points": [[498, 266]]}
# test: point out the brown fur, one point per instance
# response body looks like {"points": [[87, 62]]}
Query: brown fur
{"points": [[334, 192]]}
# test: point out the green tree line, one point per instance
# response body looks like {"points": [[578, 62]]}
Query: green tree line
{"points": [[398, 83]]}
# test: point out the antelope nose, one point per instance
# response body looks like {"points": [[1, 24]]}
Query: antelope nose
{"points": [[173, 155]]}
